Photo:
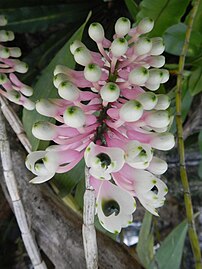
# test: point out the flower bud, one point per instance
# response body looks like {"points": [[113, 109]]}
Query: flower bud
{"points": [[75, 45], [157, 166], [46, 108], [119, 47], [20, 67], [14, 96], [155, 76], [138, 76], [74, 117], [110, 92], [131, 111], [122, 26], [58, 79], [96, 32], [28, 104], [26, 90], [142, 46], [157, 46], [163, 141], [92, 72], [68, 91], [157, 61], [4, 52], [157, 119], [163, 102], [165, 75], [15, 52], [145, 26], [3, 20], [44, 130], [6, 36], [3, 79], [82, 56], [148, 100]]}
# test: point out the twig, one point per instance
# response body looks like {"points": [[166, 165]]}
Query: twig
{"points": [[183, 173], [89, 234], [27, 236], [15, 123]]}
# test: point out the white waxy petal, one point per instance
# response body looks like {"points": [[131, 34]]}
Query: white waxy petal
{"points": [[28, 104], [114, 207], [58, 79], [82, 56], [75, 45], [163, 102], [110, 92], [138, 76], [158, 119], [26, 90], [157, 166], [164, 141], [92, 72], [142, 46], [74, 117], [96, 32], [131, 111], [145, 26], [157, 61], [158, 46], [46, 108], [122, 26], [155, 76], [42, 179], [6, 36], [119, 47], [20, 67], [148, 100], [138, 155], [103, 160], [3, 79], [14, 96], [4, 52], [44, 130], [68, 91], [165, 75], [3, 20], [151, 86], [32, 158], [15, 52]]}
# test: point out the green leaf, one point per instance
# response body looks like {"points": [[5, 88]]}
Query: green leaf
{"points": [[145, 242], [186, 104], [195, 81], [169, 254], [132, 8], [44, 87], [38, 18], [164, 13], [174, 38], [79, 193], [197, 23], [67, 181]]}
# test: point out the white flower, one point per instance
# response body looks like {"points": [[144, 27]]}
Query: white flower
{"points": [[138, 155], [103, 161], [114, 207]]}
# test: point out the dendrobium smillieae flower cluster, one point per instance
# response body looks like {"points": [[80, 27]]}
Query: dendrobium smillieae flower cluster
{"points": [[110, 114], [10, 86]]}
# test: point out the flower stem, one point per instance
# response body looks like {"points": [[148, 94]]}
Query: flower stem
{"points": [[183, 173]]}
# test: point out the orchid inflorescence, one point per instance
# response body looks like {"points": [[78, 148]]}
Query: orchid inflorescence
{"points": [[110, 114], [10, 86]]}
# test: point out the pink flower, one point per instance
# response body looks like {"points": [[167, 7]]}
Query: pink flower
{"points": [[10, 86], [110, 114]]}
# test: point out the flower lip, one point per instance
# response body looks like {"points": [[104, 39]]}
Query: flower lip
{"points": [[110, 207]]}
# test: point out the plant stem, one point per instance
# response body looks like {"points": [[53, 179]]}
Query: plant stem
{"points": [[183, 173]]}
